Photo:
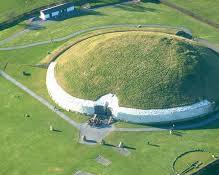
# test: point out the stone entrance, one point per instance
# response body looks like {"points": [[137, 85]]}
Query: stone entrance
{"points": [[106, 106]]}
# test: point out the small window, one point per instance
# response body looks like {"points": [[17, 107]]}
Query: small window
{"points": [[55, 13], [70, 9]]}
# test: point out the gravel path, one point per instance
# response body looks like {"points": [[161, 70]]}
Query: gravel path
{"points": [[17, 34], [88, 30], [40, 99], [92, 133]]}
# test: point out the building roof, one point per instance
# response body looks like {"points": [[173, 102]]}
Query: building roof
{"points": [[57, 7]]}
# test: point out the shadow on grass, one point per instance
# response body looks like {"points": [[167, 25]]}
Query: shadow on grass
{"points": [[154, 145], [22, 18], [136, 8], [177, 133], [204, 122], [57, 130], [110, 145], [90, 141], [128, 147], [151, 1], [32, 26]]}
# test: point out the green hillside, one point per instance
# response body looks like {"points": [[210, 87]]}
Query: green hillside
{"points": [[144, 69]]}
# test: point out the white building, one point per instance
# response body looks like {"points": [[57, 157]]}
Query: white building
{"points": [[57, 11]]}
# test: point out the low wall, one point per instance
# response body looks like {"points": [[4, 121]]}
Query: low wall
{"points": [[70, 103], [62, 98], [165, 115]]}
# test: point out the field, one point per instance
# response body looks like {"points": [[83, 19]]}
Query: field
{"points": [[144, 13], [207, 9], [13, 8], [166, 72], [27, 145]]}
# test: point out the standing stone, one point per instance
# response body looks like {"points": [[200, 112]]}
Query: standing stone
{"points": [[213, 156], [102, 142], [50, 128], [171, 132], [84, 138], [109, 121], [27, 115], [120, 145]]}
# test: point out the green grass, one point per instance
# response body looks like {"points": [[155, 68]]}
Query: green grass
{"points": [[27, 145], [142, 13], [31, 55], [12, 8], [144, 69], [37, 82], [187, 160], [207, 9], [9, 32]]}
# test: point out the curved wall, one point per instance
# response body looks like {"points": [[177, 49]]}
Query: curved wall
{"points": [[71, 103], [165, 115], [62, 98]]}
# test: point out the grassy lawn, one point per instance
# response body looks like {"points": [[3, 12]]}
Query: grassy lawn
{"points": [[9, 32], [207, 9], [27, 145], [31, 55], [12, 8], [37, 82], [144, 69], [142, 13], [167, 147], [187, 160]]}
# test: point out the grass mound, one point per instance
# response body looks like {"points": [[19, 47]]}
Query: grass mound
{"points": [[144, 69]]}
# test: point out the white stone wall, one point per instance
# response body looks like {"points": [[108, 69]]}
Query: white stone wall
{"points": [[71, 103], [62, 98], [165, 115]]}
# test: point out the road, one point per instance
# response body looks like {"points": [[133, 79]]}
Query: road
{"points": [[89, 30]]}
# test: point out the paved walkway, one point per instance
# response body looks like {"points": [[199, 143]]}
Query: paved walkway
{"points": [[93, 134], [88, 30], [40, 99], [17, 34]]}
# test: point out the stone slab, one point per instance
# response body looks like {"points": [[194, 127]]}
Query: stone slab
{"points": [[82, 173], [103, 161]]}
